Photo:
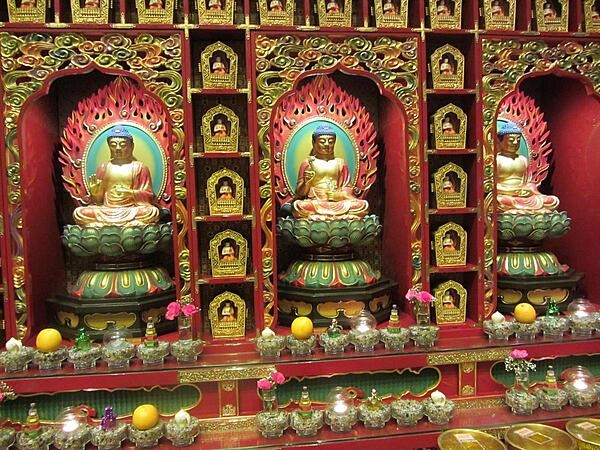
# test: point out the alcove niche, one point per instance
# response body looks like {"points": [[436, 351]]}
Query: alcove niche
{"points": [[46, 207], [388, 197], [572, 110]]}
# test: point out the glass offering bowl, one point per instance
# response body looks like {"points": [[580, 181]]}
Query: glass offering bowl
{"points": [[146, 438], [520, 401], [394, 338], [424, 336], [272, 424], [50, 360], [187, 350], [300, 347], [26, 441], [526, 331], [552, 401], [16, 361], [109, 439], [117, 353], [438, 413], [7, 437], [499, 331], [374, 417], [306, 423], [407, 412], [364, 341], [182, 435], [72, 440], [270, 346], [153, 355], [84, 359], [334, 344], [553, 327]]}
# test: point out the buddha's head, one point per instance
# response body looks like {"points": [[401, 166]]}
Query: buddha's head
{"points": [[120, 144], [510, 138], [323, 142]]}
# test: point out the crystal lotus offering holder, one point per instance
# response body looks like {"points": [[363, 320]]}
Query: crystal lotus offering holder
{"points": [[526, 332], [553, 327], [550, 396], [373, 412], [304, 419], [334, 340], [498, 328], [271, 421], [300, 347], [407, 412], [270, 344], [50, 360], [7, 437], [72, 433], [186, 350], [153, 355], [582, 317], [363, 335], [580, 387], [340, 414], [146, 438], [16, 358], [84, 353], [518, 398], [438, 409], [34, 436], [395, 338], [182, 429], [117, 349], [110, 433], [424, 336]]}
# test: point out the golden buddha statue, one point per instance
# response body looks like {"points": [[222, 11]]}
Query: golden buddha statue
{"points": [[515, 193], [323, 190], [121, 189]]}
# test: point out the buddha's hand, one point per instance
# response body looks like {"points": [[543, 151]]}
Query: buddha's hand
{"points": [[94, 184], [120, 191], [308, 175], [336, 196]]}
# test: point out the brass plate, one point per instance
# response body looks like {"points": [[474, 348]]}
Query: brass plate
{"points": [[535, 436], [586, 431], [468, 439]]}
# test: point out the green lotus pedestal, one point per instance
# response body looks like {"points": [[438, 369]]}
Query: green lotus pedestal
{"points": [[526, 271], [329, 280], [120, 280]]}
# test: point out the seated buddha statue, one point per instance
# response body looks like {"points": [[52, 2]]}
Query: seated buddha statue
{"points": [[121, 189], [514, 192], [323, 190]]}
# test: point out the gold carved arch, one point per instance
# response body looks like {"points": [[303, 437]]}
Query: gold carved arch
{"points": [[30, 61], [505, 63], [282, 61]]}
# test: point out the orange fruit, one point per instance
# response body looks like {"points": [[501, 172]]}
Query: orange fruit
{"points": [[145, 417], [524, 313], [48, 340], [302, 328]]}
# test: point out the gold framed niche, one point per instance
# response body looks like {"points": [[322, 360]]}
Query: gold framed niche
{"points": [[218, 66], [499, 14], [155, 11], [91, 11], [447, 68], [220, 130], [228, 254], [215, 12], [450, 244], [334, 13], [227, 316], [591, 13], [276, 12], [552, 15], [450, 303], [449, 127], [450, 186], [391, 13], [225, 193], [445, 13], [27, 11]]}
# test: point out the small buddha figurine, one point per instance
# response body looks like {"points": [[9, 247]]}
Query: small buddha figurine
{"points": [[91, 4], [550, 383], [150, 336], [225, 191], [446, 68], [595, 14], [333, 7], [442, 8], [120, 190], [218, 66], [514, 192], [215, 5], [28, 3], [109, 420], [549, 11], [155, 4], [389, 8], [335, 329], [305, 403], [448, 185], [228, 252], [448, 301], [448, 244], [497, 10], [83, 341], [448, 126], [275, 6], [394, 322], [323, 190], [227, 313], [220, 129], [32, 426], [552, 308]]}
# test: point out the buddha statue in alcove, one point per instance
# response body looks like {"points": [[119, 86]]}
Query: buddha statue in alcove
{"points": [[323, 172], [527, 216]]}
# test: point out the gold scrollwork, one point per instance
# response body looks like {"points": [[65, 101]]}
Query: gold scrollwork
{"points": [[228, 386], [483, 403], [440, 359], [467, 390], [467, 367], [238, 423], [228, 410], [224, 374]]}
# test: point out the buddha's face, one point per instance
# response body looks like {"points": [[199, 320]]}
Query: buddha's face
{"points": [[121, 149], [510, 143], [323, 145]]}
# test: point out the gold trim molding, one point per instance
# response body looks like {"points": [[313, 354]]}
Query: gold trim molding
{"points": [[237, 423], [224, 374], [439, 359], [482, 403]]}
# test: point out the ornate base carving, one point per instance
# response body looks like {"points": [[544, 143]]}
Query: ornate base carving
{"points": [[68, 314], [536, 290], [528, 262], [328, 274], [322, 305]]}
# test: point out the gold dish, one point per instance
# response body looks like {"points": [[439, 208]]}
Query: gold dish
{"points": [[535, 436], [586, 432], [468, 439]]}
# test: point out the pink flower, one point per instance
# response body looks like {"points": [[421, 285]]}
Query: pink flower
{"points": [[519, 354], [417, 295], [189, 309], [173, 310], [411, 294], [278, 377], [263, 383], [1, 396], [425, 297]]}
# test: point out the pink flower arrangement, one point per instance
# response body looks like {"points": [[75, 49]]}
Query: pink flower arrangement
{"points": [[516, 361], [518, 354], [175, 309], [273, 379], [417, 295]]}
